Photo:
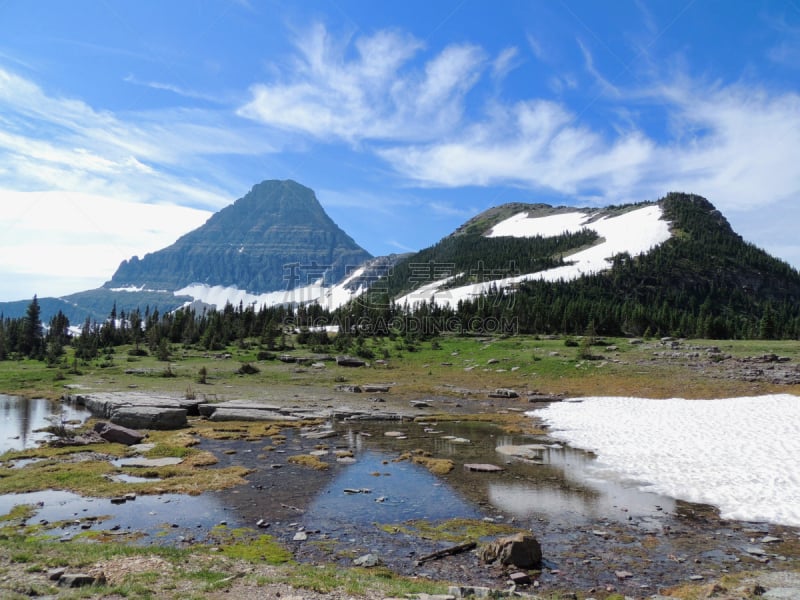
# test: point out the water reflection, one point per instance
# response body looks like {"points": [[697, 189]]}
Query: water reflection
{"points": [[388, 493], [162, 519], [21, 417]]}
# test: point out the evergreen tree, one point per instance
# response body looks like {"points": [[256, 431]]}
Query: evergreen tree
{"points": [[31, 341]]}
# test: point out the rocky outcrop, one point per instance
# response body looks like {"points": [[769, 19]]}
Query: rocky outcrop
{"points": [[138, 410]]}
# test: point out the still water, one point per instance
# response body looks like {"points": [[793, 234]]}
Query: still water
{"points": [[20, 418], [560, 488]]}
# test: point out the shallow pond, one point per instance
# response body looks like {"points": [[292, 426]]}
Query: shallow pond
{"points": [[584, 523], [20, 418]]}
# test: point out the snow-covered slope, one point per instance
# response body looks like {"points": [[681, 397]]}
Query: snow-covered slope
{"points": [[634, 232]]}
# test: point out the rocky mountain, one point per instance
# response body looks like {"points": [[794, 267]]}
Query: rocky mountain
{"points": [[276, 237]]}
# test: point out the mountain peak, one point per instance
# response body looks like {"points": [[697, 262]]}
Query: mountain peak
{"points": [[249, 244]]}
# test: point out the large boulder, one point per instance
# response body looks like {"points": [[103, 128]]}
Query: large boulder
{"points": [[118, 434], [521, 550], [149, 417]]}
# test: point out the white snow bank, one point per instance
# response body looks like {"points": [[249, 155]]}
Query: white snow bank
{"points": [[520, 225], [635, 232], [741, 455], [328, 297]]}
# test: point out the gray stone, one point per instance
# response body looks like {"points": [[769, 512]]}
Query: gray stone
{"points": [[249, 414], [145, 463], [74, 580], [520, 578], [367, 560], [503, 393], [206, 410], [150, 417], [117, 434], [521, 550]]}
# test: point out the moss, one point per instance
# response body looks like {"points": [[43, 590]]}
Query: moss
{"points": [[261, 549], [308, 460], [437, 466], [451, 530]]}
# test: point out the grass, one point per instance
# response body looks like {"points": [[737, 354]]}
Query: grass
{"points": [[456, 531], [448, 366], [437, 466]]}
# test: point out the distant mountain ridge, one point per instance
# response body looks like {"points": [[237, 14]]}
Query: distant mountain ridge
{"points": [[275, 237], [672, 265]]}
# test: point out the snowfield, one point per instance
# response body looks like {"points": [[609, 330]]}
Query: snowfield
{"points": [[741, 455], [331, 297], [634, 232]]}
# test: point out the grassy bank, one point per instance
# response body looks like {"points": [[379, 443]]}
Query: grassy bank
{"points": [[446, 366]]}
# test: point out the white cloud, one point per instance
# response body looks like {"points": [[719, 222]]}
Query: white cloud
{"points": [[375, 95], [505, 62], [50, 142], [67, 236], [736, 145]]}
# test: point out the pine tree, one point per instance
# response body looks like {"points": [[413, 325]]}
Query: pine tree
{"points": [[31, 341]]}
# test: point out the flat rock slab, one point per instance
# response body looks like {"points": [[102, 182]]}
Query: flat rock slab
{"points": [[207, 410], [527, 452], [149, 417], [145, 463], [483, 468], [249, 414], [104, 404]]}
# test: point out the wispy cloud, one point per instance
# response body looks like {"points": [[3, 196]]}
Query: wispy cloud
{"points": [[175, 89], [51, 142], [374, 95], [506, 61]]}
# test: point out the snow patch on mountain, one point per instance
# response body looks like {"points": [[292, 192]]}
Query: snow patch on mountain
{"points": [[635, 232], [330, 297]]}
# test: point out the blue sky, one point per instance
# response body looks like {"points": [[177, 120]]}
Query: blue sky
{"points": [[125, 124]]}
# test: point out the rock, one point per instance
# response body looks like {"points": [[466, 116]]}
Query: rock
{"points": [[419, 404], [319, 435], [206, 410], [527, 451], [623, 574], [300, 536], [353, 389], [348, 361], [146, 463], [74, 580], [117, 434], [372, 388], [521, 550], [367, 560], [150, 417], [249, 414], [492, 361], [483, 468], [520, 578], [771, 539], [56, 574], [503, 393], [394, 434]]}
